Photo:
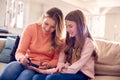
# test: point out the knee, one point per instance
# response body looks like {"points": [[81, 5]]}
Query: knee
{"points": [[28, 72], [11, 67], [35, 77], [14, 65], [11, 70], [39, 77], [52, 77]]}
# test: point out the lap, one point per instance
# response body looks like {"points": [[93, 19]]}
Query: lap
{"points": [[65, 76], [39, 76]]}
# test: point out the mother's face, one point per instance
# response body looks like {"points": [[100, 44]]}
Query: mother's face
{"points": [[48, 25], [71, 28]]}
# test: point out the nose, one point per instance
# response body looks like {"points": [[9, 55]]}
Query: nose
{"points": [[67, 29], [47, 28]]}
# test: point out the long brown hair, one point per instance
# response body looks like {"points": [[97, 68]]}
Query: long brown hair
{"points": [[57, 36], [82, 33]]}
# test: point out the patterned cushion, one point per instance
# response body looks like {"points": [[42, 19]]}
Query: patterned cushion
{"points": [[5, 53]]}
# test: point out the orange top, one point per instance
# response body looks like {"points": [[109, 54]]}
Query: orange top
{"points": [[36, 45]]}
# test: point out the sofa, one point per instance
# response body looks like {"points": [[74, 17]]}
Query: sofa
{"points": [[107, 67], [2, 43], [8, 47]]}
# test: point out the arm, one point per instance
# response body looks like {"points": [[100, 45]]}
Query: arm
{"points": [[24, 43], [43, 71], [53, 70], [54, 61], [85, 55], [61, 59]]}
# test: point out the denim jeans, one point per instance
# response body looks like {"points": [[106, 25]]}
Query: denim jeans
{"points": [[39, 76], [61, 76], [15, 71]]}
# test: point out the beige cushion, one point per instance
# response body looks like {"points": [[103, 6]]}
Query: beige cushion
{"points": [[2, 43], [107, 78], [108, 58], [2, 66]]}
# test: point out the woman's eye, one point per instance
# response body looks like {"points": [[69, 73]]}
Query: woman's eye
{"points": [[53, 27], [46, 23]]}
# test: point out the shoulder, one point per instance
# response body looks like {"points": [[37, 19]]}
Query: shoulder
{"points": [[32, 27], [89, 42]]}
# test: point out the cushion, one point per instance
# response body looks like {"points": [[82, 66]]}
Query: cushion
{"points": [[107, 78], [5, 54], [12, 55], [108, 63], [2, 66], [2, 43]]}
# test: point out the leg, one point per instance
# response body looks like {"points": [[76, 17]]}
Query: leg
{"points": [[65, 76], [26, 75], [11, 71], [39, 77]]}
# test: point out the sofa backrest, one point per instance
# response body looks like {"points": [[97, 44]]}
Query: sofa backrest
{"points": [[8, 48], [108, 62]]}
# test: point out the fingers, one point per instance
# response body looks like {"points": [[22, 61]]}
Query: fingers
{"points": [[44, 63], [60, 67], [32, 68], [24, 60], [42, 67]]}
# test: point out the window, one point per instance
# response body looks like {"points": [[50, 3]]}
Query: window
{"points": [[96, 25], [14, 13]]}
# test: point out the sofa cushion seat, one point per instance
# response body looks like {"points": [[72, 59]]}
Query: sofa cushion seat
{"points": [[2, 65], [108, 63], [107, 78]]}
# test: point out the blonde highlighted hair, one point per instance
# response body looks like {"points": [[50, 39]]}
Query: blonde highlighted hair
{"points": [[58, 36]]}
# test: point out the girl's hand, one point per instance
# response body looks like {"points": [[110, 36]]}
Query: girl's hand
{"points": [[62, 66]]}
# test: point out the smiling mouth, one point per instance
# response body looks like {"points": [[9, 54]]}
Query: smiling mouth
{"points": [[46, 31], [70, 35]]}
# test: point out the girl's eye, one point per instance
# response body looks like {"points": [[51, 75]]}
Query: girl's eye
{"points": [[68, 26]]}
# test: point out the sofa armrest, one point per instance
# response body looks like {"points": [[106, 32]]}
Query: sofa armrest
{"points": [[2, 43], [2, 66]]}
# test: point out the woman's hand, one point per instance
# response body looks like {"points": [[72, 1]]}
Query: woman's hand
{"points": [[24, 60], [43, 71], [44, 65], [39, 70]]}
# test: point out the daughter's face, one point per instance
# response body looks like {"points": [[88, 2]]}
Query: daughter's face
{"points": [[71, 28]]}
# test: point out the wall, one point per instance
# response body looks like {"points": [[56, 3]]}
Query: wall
{"points": [[2, 12], [33, 9], [112, 27]]}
